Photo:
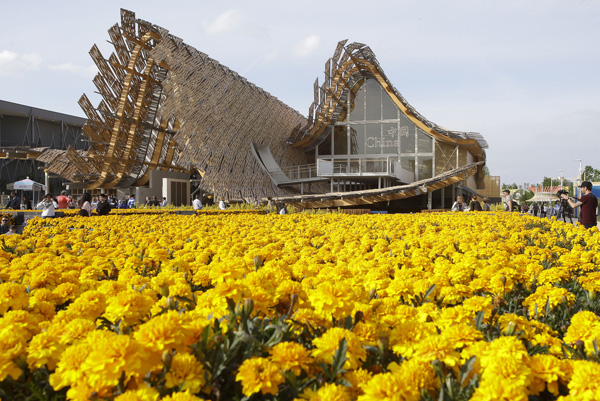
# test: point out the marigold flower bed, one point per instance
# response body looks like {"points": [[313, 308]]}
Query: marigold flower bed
{"points": [[448, 306]]}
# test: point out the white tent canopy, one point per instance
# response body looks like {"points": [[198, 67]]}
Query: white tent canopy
{"points": [[28, 185], [544, 197]]}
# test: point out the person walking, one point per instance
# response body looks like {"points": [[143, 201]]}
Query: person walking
{"points": [[508, 201], [63, 200], [588, 204], [197, 203], [85, 204]]}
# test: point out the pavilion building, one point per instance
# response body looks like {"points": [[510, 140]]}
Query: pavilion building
{"points": [[169, 110]]}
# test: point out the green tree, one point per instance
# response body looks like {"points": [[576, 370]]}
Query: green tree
{"points": [[590, 174], [509, 186], [551, 181]]}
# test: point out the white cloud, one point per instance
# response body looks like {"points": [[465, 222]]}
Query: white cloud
{"points": [[15, 64], [87, 71], [229, 21], [307, 46]]}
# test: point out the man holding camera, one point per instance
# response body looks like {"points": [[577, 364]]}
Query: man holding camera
{"points": [[588, 203]]}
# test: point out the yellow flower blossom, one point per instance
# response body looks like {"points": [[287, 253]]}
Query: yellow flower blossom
{"points": [[259, 375], [291, 356], [186, 372]]}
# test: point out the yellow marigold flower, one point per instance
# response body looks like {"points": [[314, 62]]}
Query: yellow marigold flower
{"points": [[69, 369], [259, 375], [89, 305], [12, 346], [230, 289], [128, 306], [462, 334], [326, 346], [332, 299], [358, 378], [21, 322], [331, 392], [585, 326], [537, 301], [44, 349], [12, 296], [291, 356], [546, 370], [42, 295], [367, 333], [201, 275], [414, 375], [454, 315], [76, 329], [384, 387], [585, 382], [186, 371], [66, 292], [504, 378], [437, 347], [111, 288], [405, 337], [108, 360], [180, 397], [309, 316], [163, 332], [226, 270], [141, 394], [91, 273], [44, 311], [44, 276]]}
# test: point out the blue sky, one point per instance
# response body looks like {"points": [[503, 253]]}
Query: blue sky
{"points": [[524, 74]]}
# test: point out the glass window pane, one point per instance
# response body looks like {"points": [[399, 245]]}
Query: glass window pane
{"points": [[390, 110], [373, 100], [408, 163], [425, 144], [390, 138], [373, 139], [340, 140], [358, 106], [425, 167], [407, 135], [357, 139]]}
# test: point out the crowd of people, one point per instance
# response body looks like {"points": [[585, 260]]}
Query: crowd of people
{"points": [[563, 208], [86, 203], [474, 205]]}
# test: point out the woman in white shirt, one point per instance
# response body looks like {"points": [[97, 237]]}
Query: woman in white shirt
{"points": [[222, 204], [48, 206], [459, 205], [85, 204]]}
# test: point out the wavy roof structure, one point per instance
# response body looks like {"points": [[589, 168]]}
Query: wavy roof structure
{"points": [[167, 106]]}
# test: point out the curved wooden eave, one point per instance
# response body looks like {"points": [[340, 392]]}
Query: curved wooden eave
{"points": [[367, 197]]}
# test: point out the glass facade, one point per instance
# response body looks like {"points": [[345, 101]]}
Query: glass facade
{"points": [[376, 128]]}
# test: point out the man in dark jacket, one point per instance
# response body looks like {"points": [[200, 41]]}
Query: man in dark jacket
{"points": [[14, 202], [103, 208]]}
